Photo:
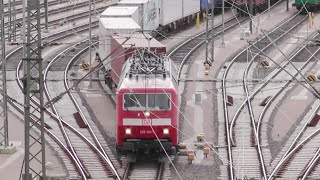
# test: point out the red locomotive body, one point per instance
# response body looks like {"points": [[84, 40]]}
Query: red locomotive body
{"points": [[147, 105]]}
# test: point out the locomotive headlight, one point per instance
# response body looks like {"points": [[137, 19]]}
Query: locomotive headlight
{"points": [[165, 131], [146, 114], [128, 131]]}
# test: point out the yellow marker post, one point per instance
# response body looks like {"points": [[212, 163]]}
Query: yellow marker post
{"points": [[309, 20], [197, 21]]}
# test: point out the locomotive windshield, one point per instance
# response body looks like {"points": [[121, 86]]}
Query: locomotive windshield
{"points": [[135, 102]]}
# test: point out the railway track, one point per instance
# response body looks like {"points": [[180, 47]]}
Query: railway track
{"points": [[60, 21], [84, 138], [91, 163], [81, 164], [245, 137], [181, 54], [147, 171], [298, 160]]}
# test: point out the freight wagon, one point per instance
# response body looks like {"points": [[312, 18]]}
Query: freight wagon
{"points": [[160, 15], [310, 5], [123, 46]]}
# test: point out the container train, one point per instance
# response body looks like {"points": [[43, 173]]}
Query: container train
{"points": [[160, 16], [147, 101]]}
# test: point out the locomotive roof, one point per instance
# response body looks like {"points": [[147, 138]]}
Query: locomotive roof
{"points": [[148, 71]]}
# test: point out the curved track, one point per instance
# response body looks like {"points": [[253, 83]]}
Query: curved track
{"points": [[78, 164], [246, 137]]}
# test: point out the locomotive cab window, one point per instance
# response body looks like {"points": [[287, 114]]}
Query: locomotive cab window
{"points": [[135, 102]]}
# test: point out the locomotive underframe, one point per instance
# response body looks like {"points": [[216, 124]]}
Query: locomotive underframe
{"points": [[146, 146]]}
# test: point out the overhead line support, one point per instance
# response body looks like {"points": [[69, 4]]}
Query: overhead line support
{"points": [[209, 33], [4, 137], [33, 87]]}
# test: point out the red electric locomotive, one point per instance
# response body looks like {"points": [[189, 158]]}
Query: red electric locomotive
{"points": [[147, 105]]}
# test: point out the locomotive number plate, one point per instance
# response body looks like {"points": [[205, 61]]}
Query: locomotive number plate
{"points": [[145, 132], [146, 122]]}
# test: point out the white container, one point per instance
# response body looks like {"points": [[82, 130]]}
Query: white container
{"points": [[190, 7], [110, 26], [148, 12], [170, 11], [116, 11]]}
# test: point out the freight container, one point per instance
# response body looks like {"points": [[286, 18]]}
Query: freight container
{"points": [[170, 11], [122, 49], [216, 3], [148, 12], [108, 26], [115, 11], [190, 7], [203, 5]]}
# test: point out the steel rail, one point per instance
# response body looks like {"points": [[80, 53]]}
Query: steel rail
{"points": [[263, 85], [50, 3], [81, 112], [67, 151], [254, 93], [298, 147], [57, 39], [160, 171], [19, 48], [248, 100], [71, 18], [195, 48], [189, 54], [127, 171], [201, 43], [278, 93], [56, 139], [131, 167], [61, 126], [224, 95], [55, 117], [311, 165]]}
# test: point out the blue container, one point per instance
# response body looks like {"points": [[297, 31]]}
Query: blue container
{"points": [[203, 5]]}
